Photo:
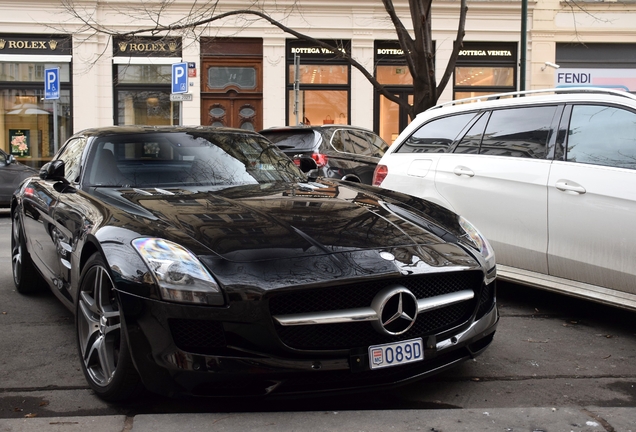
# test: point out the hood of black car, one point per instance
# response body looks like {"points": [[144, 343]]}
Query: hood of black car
{"points": [[268, 222]]}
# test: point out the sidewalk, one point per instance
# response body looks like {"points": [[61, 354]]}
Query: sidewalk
{"points": [[475, 420]]}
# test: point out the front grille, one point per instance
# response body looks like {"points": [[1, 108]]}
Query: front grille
{"points": [[348, 335]]}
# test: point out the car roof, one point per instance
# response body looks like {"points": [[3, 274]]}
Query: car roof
{"points": [[312, 127], [521, 98], [136, 129]]}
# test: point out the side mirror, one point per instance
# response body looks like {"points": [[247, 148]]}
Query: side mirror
{"points": [[53, 170], [10, 159]]}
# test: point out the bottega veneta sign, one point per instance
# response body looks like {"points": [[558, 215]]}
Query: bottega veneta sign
{"points": [[29, 44]]}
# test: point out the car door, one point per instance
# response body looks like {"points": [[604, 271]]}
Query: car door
{"points": [[45, 206], [357, 153], [497, 178], [592, 199]]}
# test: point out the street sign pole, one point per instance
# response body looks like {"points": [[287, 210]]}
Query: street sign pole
{"points": [[56, 138]]}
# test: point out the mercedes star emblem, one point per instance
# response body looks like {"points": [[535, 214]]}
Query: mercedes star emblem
{"points": [[396, 308]]}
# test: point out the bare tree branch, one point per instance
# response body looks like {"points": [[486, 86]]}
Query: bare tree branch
{"points": [[417, 47]]}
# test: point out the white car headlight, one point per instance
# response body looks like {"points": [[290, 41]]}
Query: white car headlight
{"points": [[179, 274], [479, 242]]}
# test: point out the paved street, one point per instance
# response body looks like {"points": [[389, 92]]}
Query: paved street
{"points": [[553, 358]]}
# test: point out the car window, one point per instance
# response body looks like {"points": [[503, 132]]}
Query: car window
{"points": [[71, 154], [436, 136], [301, 140], [471, 141], [338, 139], [3, 159], [518, 132], [357, 142], [602, 135]]}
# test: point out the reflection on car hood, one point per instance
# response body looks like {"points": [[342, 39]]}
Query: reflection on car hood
{"points": [[267, 222]]}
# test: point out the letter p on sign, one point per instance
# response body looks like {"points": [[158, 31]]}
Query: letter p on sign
{"points": [[179, 78], [52, 83]]}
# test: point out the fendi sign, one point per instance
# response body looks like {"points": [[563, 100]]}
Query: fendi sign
{"points": [[23, 44]]}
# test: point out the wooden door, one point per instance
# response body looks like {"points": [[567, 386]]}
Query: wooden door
{"points": [[237, 112], [232, 93]]}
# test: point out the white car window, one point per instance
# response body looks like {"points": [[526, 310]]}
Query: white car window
{"points": [[472, 140], [519, 132], [436, 136], [602, 135]]}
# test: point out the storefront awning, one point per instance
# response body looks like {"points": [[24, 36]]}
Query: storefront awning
{"points": [[28, 58]]}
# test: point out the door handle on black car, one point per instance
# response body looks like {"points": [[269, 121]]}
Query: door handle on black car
{"points": [[463, 171]]}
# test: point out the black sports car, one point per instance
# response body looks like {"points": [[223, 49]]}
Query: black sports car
{"points": [[202, 261]]}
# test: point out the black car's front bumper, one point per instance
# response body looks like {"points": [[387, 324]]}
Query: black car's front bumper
{"points": [[179, 350]]}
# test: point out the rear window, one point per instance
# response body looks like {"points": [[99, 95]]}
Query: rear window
{"points": [[436, 136], [302, 140]]}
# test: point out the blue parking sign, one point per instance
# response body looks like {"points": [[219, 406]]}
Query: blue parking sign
{"points": [[52, 83], [179, 78]]}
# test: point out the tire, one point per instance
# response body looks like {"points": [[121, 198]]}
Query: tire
{"points": [[25, 276], [101, 340]]}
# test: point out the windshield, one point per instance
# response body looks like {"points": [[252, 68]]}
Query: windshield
{"points": [[176, 159]]}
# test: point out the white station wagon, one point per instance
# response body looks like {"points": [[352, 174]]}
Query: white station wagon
{"points": [[549, 178]]}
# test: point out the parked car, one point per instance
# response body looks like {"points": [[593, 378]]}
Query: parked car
{"points": [[12, 173], [202, 261], [549, 179], [340, 151]]}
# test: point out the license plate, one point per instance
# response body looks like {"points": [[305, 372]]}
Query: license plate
{"points": [[393, 354]]}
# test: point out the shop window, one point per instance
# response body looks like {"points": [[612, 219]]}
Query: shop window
{"points": [[318, 107], [146, 107], [320, 74], [484, 76], [27, 123], [485, 68], [142, 93], [394, 75], [318, 84], [392, 72]]}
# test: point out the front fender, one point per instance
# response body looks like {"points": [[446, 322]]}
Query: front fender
{"points": [[129, 272]]}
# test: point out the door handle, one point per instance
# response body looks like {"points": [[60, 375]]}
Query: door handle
{"points": [[570, 186], [463, 171]]}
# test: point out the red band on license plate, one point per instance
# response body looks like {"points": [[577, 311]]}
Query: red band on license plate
{"points": [[397, 353]]}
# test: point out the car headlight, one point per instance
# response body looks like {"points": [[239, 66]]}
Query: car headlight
{"points": [[179, 274], [479, 242]]}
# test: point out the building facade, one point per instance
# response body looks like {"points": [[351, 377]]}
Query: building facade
{"points": [[246, 73], [588, 43]]}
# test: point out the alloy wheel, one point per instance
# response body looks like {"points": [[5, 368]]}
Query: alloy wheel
{"points": [[99, 326], [16, 250]]}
